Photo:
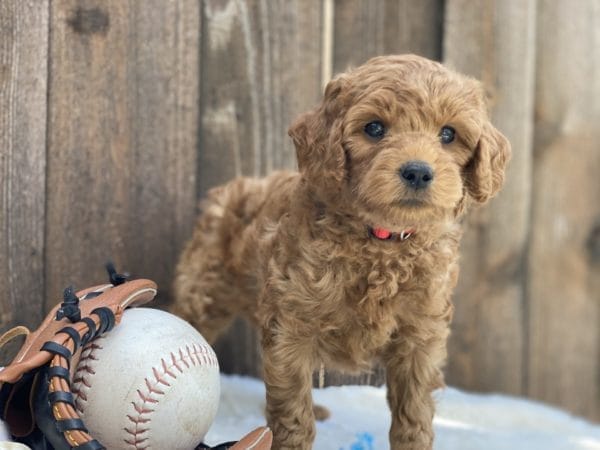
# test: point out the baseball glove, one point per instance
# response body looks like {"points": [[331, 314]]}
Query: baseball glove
{"points": [[35, 395], [259, 439]]}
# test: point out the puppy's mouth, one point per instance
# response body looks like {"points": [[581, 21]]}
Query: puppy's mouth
{"points": [[411, 203]]}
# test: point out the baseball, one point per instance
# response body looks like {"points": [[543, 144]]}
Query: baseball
{"points": [[150, 383]]}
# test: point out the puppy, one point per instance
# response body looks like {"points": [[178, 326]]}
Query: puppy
{"points": [[353, 259]]}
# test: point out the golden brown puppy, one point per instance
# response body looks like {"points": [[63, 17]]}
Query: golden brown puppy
{"points": [[353, 259]]}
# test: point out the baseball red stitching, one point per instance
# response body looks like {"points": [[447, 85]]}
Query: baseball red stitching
{"points": [[154, 387], [151, 390], [81, 383]]}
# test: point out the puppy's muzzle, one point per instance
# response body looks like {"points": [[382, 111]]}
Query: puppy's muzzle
{"points": [[416, 174]]}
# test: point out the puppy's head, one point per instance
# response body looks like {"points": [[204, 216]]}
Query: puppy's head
{"points": [[403, 142]]}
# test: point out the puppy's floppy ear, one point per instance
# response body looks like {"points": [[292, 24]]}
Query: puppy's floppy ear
{"points": [[485, 172], [317, 136]]}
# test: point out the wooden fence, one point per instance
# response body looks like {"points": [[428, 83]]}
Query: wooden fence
{"points": [[117, 115]]}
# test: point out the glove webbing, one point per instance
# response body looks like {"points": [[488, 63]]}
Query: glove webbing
{"points": [[60, 397]]}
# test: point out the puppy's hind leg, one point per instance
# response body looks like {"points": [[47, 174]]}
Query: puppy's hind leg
{"points": [[205, 290], [200, 305], [216, 278]]}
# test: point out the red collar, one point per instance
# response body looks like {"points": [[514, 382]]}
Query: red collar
{"points": [[385, 235]]}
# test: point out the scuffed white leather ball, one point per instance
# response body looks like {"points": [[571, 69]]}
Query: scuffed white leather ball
{"points": [[150, 383]]}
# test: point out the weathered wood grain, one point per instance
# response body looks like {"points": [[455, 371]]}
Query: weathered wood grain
{"points": [[261, 67], [122, 138], [366, 28], [23, 92], [563, 270], [495, 42]]}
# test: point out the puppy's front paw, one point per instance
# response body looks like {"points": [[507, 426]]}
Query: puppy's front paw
{"points": [[300, 436], [425, 443]]}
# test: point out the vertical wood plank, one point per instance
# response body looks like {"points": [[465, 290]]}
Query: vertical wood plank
{"points": [[564, 347], [494, 42], [23, 91], [122, 138], [261, 67], [163, 81], [366, 28]]}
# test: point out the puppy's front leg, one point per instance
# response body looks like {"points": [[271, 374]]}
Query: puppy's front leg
{"points": [[412, 373], [288, 379]]}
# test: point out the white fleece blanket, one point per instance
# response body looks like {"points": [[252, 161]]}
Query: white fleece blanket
{"points": [[360, 420]]}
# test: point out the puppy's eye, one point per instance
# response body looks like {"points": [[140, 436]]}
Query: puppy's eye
{"points": [[447, 134], [375, 129]]}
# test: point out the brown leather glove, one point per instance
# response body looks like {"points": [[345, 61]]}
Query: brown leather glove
{"points": [[35, 387], [259, 439]]}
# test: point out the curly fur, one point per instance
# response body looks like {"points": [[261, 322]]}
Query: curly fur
{"points": [[292, 251]]}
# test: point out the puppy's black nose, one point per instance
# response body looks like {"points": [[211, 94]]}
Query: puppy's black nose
{"points": [[416, 174]]}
